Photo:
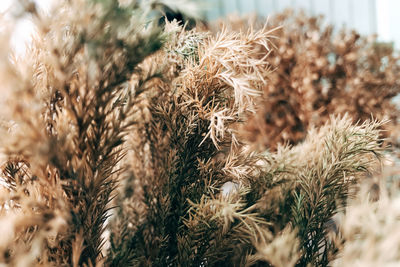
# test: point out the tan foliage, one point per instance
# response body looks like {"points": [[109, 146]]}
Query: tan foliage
{"points": [[319, 71]]}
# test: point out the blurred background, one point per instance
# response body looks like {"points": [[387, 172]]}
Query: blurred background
{"points": [[366, 16]]}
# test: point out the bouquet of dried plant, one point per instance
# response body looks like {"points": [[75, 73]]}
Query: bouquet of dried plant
{"points": [[369, 229], [121, 147], [319, 71]]}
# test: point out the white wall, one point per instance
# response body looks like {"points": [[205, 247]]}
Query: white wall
{"points": [[388, 21]]}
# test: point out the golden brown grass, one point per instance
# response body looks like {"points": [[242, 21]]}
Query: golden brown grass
{"points": [[122, 147]]}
